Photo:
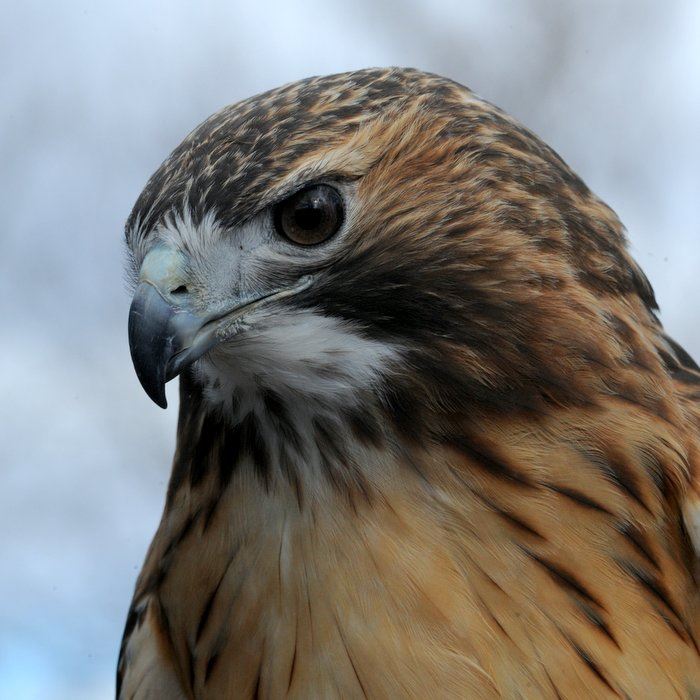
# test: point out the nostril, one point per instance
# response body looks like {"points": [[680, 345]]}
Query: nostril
{"points": [[179, 290]]}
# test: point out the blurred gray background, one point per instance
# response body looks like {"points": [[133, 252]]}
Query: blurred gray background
{"points": [[95, 95]]}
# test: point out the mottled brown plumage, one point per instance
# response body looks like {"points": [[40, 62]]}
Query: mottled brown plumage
{"points": [[485, 483]]}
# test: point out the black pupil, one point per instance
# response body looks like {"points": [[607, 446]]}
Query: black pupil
{"points": [[308, 214]]}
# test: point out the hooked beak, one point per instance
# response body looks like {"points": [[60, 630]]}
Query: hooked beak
{"points": [[163, 339], [165, 333]]}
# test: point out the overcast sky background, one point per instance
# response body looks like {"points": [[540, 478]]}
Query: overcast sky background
{"points": [[95, 95]]}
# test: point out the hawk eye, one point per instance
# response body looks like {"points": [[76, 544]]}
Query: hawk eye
{"points": [[310, 216]]}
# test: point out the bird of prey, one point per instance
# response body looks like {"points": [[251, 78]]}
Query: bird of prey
{"points": [[433, 440]]}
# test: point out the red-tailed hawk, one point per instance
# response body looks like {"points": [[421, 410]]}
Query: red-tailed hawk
{"points": [[433, 440]]}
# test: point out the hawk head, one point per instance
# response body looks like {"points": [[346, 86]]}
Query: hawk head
{"points": [[380, 235], [423, 383]]}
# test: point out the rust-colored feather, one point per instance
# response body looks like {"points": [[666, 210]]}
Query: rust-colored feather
{"points": [[509, 510]]}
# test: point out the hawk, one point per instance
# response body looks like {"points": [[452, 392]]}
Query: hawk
{"points": [[432, 439]]}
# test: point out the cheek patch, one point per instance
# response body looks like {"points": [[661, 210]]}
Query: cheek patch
{"points": [[300, 354]]}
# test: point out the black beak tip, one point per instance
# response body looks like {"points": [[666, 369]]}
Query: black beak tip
{"points": [[149, 370], [159, 400], [150, 341], [163, 340], [155, 392]]}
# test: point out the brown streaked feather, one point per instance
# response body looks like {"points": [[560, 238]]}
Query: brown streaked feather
{"points": [[512, 511]]}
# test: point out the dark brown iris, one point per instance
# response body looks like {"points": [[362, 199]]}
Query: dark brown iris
{"points": [[310, 216]]}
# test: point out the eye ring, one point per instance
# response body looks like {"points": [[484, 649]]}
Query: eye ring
{"points": [[310, 216]]}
